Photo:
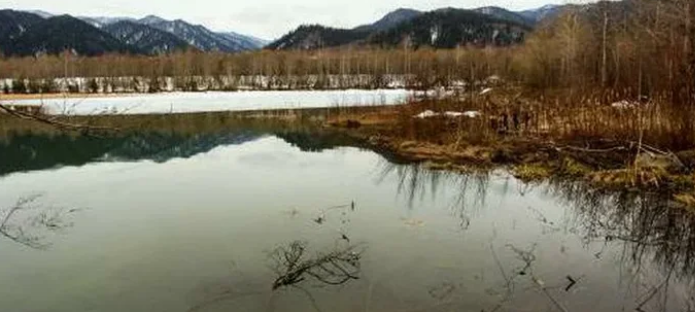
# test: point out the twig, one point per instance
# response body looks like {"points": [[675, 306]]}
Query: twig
{"points": [[334, 268], [653, 292], [310, 296], [552, 299], [499, 266]]}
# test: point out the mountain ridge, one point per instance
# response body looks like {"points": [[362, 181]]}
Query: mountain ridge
{"points": [[481, 21], [146, 38], [64, 32], [152, 34], [196, 36]]}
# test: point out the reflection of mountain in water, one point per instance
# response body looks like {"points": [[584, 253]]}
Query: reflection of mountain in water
{"points": [[162, 147], [37, 152], [318, 141]]}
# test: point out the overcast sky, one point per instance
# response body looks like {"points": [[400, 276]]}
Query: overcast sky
{"points": [[266, 19]]}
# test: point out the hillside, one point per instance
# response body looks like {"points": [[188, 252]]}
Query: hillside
{"points": [[145, 38], [444, 28], [199, 36], [15, 23], [309, 37], [542, 13], [504, 14], [447, 28], [390, 20], [37, 32], [56, 34]]}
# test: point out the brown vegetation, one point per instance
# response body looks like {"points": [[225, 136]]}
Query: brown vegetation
{"points": [[590, 91]]}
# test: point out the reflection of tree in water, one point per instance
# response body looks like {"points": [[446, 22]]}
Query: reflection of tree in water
{"points": [[416, 181], [27, 223], [649, 228], [38, 152]]}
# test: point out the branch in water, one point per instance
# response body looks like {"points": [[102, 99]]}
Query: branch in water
{"points": [[45, 220], [334, 268]]}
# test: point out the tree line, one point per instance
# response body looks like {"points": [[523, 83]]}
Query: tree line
{"points": [[636, 48]]}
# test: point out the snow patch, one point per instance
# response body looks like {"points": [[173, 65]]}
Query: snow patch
{"points": [[180, 102]]}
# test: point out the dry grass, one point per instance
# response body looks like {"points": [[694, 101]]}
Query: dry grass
{"points": [[532, 172]]}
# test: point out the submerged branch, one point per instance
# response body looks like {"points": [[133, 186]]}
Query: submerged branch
{"points": [[334, 268], [45, 220]]}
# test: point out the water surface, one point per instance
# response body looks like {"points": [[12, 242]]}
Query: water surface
{"points": [[173, 222]]}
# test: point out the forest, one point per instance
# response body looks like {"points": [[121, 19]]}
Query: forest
{"points": [[636, 54]]}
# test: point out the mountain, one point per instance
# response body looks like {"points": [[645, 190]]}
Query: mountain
{"points": [[55, 34], [443, 28], [15, 23], [199, 36], [249, 42], [541, 13], [145, 38], [448, 28], [100, 22], [151, 19], [390, 20], [506, 15], [43, 14], [309, 37]]}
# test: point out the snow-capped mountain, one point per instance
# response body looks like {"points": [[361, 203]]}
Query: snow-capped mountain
{"points": [[148, 39], [151, 19], [202, 38], [43, 14], [100, 21], [542, 12], [151, 36], [244, 40], [56, 34], [441, 28], [390, 20], [506, 15]]}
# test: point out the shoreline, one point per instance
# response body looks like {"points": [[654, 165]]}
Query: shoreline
{"points": [[532, 159], [607, 165]]}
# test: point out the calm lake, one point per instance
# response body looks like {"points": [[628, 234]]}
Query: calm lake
{"points": [[184, 220]]}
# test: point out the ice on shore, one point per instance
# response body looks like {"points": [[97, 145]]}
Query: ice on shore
{"points": [[181, 102]]}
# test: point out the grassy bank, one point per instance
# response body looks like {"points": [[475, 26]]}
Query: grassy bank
{"points": [[611, 144]]}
